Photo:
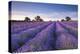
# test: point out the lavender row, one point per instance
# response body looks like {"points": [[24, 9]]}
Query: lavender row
{"points": [[70, 29], [23, 27], [20, 38], [72, 24], [44, 40], [64, 40]]}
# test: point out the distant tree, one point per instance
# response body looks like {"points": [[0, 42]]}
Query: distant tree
{"points": [[68, 18], [33, 20], [27, 19], [38, 18], [62, 20]]}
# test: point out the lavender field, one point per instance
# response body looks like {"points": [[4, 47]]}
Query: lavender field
{"points": [[43, 36], [35, 26]]}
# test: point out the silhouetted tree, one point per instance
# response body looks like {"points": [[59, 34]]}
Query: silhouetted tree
{"points": [[33, 20], [62, 20], [40, 20], [37, 18], [68, 18], [27, 19]]}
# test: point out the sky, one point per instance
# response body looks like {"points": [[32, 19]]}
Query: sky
{"points": [[47, 11]]}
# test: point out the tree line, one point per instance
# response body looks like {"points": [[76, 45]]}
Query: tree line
{"points": [[39, 19], [66, 19]]}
